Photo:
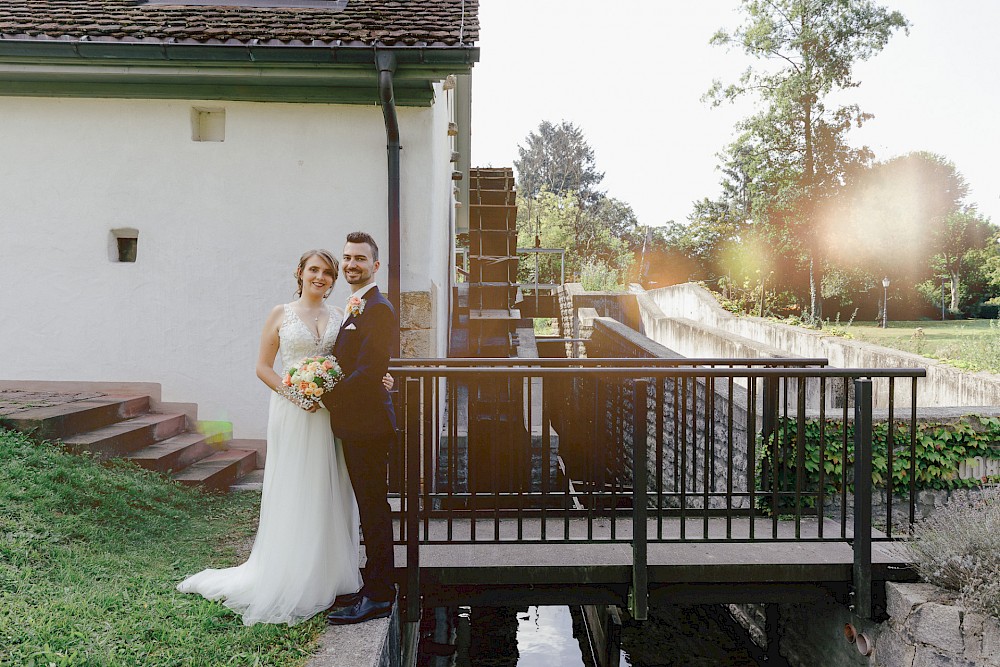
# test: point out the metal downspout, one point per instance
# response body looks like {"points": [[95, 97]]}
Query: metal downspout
{"points": [[385, 61]]}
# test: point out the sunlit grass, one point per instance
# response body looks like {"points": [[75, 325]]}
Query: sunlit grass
{"points": [[89, 558], [968, 344]]}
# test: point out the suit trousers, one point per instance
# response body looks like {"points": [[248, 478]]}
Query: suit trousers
{"points": [[367, 464]]}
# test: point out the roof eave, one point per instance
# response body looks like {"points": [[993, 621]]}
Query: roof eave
{"points": [[313, 73]]}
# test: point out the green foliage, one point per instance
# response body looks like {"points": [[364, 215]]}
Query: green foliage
{"points": [[89, 558], [596, 276], [939, 450]]}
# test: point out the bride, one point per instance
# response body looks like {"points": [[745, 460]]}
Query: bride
{"points": [[306, 550]]}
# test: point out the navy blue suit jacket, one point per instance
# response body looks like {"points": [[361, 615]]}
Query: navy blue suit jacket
{"points": [[360, 407]]}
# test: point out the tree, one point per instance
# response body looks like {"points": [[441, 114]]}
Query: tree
{"points": [[796, 146], [557, 158], [559, 206], [963, 232]]}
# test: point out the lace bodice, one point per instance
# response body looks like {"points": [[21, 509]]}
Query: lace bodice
{"points": [[298, 342]]}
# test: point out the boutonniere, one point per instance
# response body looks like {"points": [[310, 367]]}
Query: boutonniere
{"points": [[355, 306]]}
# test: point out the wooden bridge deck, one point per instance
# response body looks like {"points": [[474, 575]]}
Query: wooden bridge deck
{"points": [[694, 571]]}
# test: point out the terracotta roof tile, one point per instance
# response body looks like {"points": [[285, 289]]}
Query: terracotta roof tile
{"points": [[365, 22]]}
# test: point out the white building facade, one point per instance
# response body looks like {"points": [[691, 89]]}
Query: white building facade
{"points": [[106, 161]]}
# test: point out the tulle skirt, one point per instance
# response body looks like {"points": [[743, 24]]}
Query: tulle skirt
{"points": [[307, 544]]}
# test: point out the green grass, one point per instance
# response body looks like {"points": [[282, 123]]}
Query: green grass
{"points": [[968, 344], [89, 558]]}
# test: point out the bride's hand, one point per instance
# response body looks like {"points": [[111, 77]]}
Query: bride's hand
{"points": [[388, 382], [312, 407]]}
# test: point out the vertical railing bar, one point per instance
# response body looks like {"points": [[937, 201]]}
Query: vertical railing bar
{"points": [[640, 577], [618, 438], [780, 437], [729, 459], [752, 450], [430, 412], [523, 465], [843, 466], [546, 451], [658, 406], [800, 452], [862, 570], [411, 499], [889, 445], [694, 434], [821, 500], [495, 457], [676, 402], [683, 448], [913, 453], [453, 412], [709, 448]]}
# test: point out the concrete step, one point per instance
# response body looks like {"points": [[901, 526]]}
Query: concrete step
{"points": [[127, 436], [69, 419], [253, 481], [219, 471], [175, 453]]}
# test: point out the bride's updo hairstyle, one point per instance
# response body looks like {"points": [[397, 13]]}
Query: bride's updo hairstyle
{"points": [[326, 256]]}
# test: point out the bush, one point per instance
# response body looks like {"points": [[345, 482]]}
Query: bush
{"points": [[596, 276], [958, 548]]}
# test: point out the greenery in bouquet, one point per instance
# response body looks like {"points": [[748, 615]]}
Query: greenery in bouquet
{"points": [[307, 381]]}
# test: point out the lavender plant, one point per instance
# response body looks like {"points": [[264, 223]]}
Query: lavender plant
{"points": [[958, 548]]}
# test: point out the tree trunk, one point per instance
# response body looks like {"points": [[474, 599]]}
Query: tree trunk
{"points": [[955, 276]]}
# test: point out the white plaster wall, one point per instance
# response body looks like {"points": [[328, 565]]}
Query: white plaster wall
{"points": [[428, 205], [221, 226]]}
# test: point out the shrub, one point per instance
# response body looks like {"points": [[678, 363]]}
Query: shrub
{"points": [[596, 276], [958, 548]]}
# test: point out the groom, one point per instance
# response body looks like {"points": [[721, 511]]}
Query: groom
{"points": [[361, 415]]}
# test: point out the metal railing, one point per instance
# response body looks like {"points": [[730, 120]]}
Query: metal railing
{"points": [[545, 451]]}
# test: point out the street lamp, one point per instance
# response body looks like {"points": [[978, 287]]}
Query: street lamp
{"points": [[885, 301]]}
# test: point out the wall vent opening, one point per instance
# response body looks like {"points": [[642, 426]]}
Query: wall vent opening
{"points": [[208, 124], [123, 245]]}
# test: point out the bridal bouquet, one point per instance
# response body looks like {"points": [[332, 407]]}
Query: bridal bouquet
{"points": [[306, 381]]}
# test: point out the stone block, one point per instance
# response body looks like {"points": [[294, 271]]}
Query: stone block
{"points": [[929, 657], [416, 344], [938, 625], [415, 309], [991, 641], [891, 650], [972, 632], [901, 598]]}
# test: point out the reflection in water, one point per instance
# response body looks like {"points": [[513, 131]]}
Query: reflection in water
{"points": [[674, 636], [500, 637]]}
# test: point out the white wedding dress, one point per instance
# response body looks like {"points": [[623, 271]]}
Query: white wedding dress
{"points": [[306, 549]]}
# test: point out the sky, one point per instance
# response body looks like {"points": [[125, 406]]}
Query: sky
{"points": [[631, 74]]}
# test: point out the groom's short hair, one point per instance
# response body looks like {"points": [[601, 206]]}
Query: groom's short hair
{"points": [[364, 237]]}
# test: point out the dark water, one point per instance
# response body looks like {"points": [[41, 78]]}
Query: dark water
{"points": [[690, 636]]}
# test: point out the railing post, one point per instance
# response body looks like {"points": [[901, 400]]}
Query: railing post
{"points": [[411, 448], [862, 572], [639, 595]]}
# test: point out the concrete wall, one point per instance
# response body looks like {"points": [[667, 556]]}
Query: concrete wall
{"points": [[220, 229], [944, 385]]}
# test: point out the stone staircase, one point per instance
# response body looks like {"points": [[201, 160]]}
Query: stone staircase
{"points": [[124, 426]]}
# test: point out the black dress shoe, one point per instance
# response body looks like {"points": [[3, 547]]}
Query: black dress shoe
{"points": [[347, 599], [363, 610]]}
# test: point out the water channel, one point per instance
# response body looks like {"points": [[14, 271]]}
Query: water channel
{"points": [[550, 636]]}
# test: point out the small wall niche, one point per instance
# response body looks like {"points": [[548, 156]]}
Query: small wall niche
{"points": [[123, 244], [208, 124]]}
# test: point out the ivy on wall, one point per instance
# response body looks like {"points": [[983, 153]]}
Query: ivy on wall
{"points": [[939, 450]]}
